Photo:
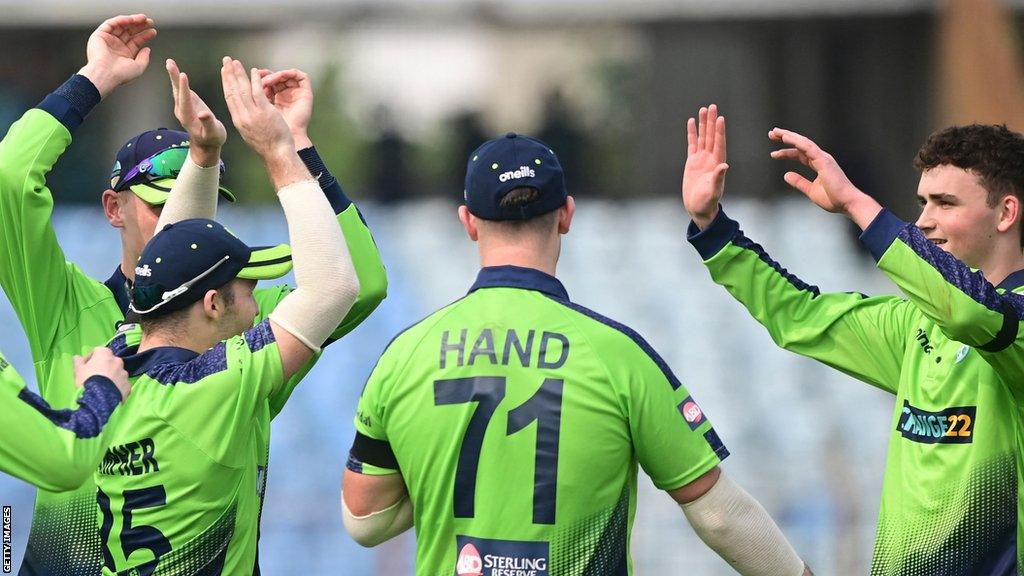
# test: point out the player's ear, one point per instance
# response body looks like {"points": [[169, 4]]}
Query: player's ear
{"points": [[112, 208], [1009, 213], [213, 304], [565, 214], [468, 222]]}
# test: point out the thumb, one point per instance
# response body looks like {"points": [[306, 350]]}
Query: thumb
{"points": [[142, 58], [719, 173]]}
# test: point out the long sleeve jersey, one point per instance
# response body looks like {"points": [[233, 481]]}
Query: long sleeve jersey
{"points": [[53, 449], [65, 312], [951, 353]]}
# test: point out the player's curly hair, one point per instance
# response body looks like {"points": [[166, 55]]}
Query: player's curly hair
{"points": [[992, 151]]}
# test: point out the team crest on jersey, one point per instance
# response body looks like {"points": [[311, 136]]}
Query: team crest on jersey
{"points": [[692, 413], [947, 426], [483, 557], [962, 353]]}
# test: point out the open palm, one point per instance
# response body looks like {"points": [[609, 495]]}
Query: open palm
{"points": [[704, 172], [204, 129]]}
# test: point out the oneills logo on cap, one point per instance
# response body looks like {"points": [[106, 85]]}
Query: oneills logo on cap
{"points": [[522, 172]]}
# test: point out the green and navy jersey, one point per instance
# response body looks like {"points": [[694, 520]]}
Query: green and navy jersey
{"points": [[64, 312], [951, 352], [180, 487], [53, 449], [518, 419]]}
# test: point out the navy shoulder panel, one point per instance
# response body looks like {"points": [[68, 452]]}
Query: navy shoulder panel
{"points": [[259, 336], [629, 332], [210, 362]]}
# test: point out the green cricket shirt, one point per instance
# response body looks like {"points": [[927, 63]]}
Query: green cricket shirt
{"points": [[951, 354], [181, 485], [65, 312], [517, 419]]}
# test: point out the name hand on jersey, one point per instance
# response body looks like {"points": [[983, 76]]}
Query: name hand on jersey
{"points": [[548, 351], [131, 459]]}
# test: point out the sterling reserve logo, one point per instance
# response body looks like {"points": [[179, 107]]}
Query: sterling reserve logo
{"points": [[469, 563], [484, 557], [522, 172]]}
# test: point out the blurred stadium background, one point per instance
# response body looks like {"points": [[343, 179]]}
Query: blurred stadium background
{"points": [[405, 89]]}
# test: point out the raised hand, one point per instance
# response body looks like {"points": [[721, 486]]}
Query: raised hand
{"points": [[206, 133], [102, 362], [291, 92], [704, 173], [831, 189], [117, 52], [261, 124]]}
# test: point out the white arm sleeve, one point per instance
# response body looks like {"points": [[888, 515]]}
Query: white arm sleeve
{"points": [[193, 195], [326, 281], [380, 526], [739, 529]]}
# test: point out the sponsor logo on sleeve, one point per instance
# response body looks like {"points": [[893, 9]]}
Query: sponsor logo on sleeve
{"points": [[483, 557], [947, 426], [692, 413]]}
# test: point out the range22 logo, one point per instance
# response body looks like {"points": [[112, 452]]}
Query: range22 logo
{"points": [[948, 426]]}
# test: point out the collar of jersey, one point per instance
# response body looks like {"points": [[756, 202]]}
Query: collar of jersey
{"points": [[1013, 281], [140, 363], [118, 286], [519, 277]]}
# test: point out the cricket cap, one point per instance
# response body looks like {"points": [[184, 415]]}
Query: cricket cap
{"points": [[513, 161], [185, 259], [148, 163]]}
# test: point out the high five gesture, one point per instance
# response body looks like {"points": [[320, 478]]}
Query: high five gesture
{"points": [[704, 174]]}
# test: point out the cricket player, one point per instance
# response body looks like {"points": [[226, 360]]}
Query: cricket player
{"points": [[179, 491], [65, 312], [950, 350], [59, 449], [508, 426]]}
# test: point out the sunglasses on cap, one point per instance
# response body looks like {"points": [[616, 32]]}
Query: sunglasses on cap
{"points": [[164, 164]]}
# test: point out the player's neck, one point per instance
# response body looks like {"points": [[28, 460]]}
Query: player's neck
{"points": [[999, 266], [545, 261], [1003, 257], [128, 260], [188, 337]]}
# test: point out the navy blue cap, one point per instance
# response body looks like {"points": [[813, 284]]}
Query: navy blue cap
{"points": [[142, 147], [512, 161], [185, 259]]}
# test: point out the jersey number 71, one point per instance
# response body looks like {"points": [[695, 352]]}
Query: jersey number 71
{"points": [[544, 407]]}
